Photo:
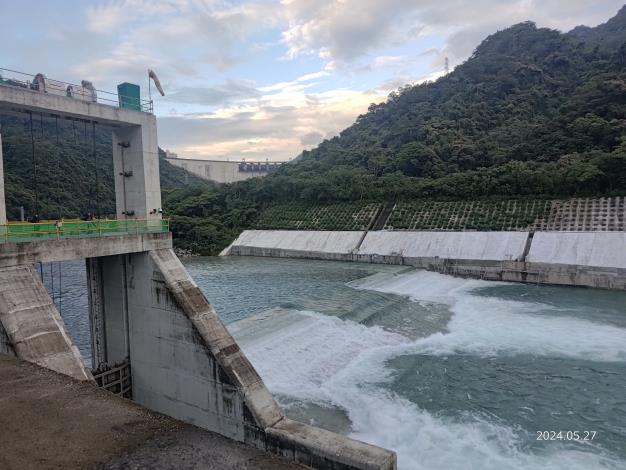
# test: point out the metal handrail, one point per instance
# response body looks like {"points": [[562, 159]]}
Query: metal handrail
{"points": [[145, 105], [21, 231]]}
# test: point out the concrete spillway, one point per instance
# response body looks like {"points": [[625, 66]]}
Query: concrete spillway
{"points": [[596, 259]]}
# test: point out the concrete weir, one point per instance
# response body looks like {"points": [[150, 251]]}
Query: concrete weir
{"points": [[594, 259]]}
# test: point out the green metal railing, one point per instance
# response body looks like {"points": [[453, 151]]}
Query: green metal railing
{"points": [[55, 230]]}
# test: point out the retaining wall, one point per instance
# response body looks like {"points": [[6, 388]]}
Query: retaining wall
{"points": [[595, 259], [295, 244], [450, 245], [601, 249]]}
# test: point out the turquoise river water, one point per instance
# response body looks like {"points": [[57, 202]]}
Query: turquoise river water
{"points": [[450, 373]]}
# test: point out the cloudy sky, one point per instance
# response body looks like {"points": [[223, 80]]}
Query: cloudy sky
{"points": [[263, 79]]}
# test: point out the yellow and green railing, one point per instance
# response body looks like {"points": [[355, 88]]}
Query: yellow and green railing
{"points": [[53, 230]]}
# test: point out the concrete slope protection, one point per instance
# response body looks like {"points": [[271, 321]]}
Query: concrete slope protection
{"points": [[295, 243], [595, 259], [450, 245], [601, 249]]}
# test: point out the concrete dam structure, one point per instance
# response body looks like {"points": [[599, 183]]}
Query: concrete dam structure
{"points": [[223, 171], [145, 310], [594, 259]]}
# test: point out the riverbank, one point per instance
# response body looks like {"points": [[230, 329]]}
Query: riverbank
{"points": [[592, 259]]}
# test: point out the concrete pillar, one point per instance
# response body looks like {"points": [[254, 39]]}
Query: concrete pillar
{"points": [[108, 310], [115, 294], [96, 311], [177, 371], [135, 154], [3, 208]]}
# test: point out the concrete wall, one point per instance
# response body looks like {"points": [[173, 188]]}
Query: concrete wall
{"points": [[3, 207], [215, 170], [594, 259], [450, 245], [296, 243], [12, 254], [141, 191], [601, 249], [173, 370], [115, 308]]}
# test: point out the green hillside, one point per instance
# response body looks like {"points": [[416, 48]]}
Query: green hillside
{"points": [[72, 169], [532, 113]]}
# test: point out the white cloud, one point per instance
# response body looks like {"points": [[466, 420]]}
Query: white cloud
{"points": [[342, 31], [175, 37], [278, 127]]}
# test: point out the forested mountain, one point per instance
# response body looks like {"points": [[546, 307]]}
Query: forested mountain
{"points": [[532, 113]]}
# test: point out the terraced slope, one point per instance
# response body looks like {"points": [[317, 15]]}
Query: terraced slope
{"points": [[580, 214]]}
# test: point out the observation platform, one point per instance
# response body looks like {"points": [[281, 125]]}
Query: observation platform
{"points": [[44, 242]]}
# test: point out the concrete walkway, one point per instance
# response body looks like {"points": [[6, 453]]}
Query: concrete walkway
{"points": [[51, 421]]}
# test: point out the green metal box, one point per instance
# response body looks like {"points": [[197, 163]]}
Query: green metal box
{"points": [[129, 96]]}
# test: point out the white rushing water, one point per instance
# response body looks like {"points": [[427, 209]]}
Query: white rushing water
{"points": [[490, 326], [344, 365]]}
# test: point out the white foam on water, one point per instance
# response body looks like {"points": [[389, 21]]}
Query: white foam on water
{"points": [[314, 357], [488, 326]]}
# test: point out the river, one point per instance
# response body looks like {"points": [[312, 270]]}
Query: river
{"points": [[450, 373]]}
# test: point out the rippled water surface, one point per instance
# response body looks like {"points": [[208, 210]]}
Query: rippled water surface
{"points": [[450, 373]]}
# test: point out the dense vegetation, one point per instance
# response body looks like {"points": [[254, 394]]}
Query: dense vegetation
{"points": [[533, 112], [72, 169], [517, 214], [342, 216]]}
